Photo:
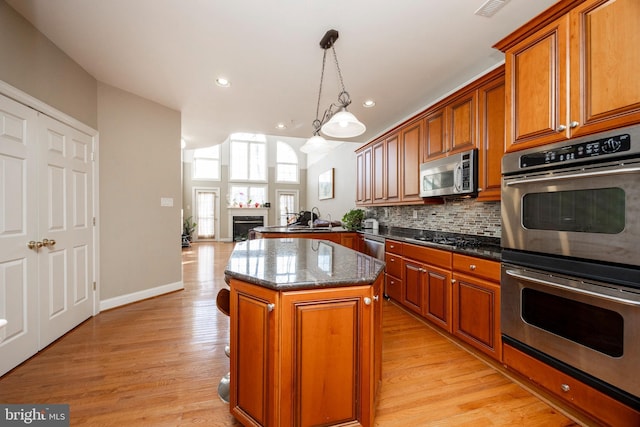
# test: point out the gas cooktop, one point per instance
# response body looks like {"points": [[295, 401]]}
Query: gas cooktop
{"points": [[457, 241]]}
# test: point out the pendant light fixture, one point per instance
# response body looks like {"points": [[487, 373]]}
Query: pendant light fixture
{"points": [[336, 121]]}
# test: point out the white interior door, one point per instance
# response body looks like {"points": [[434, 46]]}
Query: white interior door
{"points": [[18, 225], [65, 202], [46, 230]]}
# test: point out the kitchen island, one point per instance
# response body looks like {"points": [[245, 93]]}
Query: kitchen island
{"points": [[306, 333]]}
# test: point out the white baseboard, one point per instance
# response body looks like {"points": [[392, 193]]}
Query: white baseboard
{"points": [[140, 295]]}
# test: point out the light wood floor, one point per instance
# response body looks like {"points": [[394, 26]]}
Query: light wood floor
{"points": [[158, 363]]}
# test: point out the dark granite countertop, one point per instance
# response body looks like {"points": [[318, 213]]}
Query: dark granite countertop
{"points": [[486, 247], [298, 229], [291, 264]]}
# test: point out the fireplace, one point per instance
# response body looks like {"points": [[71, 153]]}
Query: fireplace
{"points": [[243, 224]]}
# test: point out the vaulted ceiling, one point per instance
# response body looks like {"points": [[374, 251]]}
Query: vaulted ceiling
{"points": [[403, 54]]}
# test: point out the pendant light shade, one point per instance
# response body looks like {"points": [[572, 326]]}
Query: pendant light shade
{"points": [[343, 124], [315, 144]]}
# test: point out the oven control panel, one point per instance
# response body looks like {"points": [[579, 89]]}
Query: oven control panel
{"points": [[599, 147]]}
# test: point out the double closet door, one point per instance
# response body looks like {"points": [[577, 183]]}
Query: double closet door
{"points": [[46, 230]]}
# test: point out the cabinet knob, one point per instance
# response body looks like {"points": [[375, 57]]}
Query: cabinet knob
{"points": [[367, 301], [472, 267], [271, 307], [392, 259], [574, 124], [376, 298], [565, 387], [453, 280], [561, 128]]}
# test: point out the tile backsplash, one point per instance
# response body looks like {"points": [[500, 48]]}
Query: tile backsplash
{"points": [[466, 216]]}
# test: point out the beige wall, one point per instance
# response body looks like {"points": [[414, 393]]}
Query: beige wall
{"points": [[139, 164], [33, 64], [343, 160], [139, 160]]}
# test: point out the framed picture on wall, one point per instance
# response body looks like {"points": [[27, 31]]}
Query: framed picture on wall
{"points": [[325, 185]]}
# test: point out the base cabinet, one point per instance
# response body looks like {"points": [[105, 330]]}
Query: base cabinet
{"points": [[307, 357], [458, 293], [584, 398]]}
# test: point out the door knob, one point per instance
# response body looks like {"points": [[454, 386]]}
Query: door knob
{"points": [[34, 245], [48, 243]]}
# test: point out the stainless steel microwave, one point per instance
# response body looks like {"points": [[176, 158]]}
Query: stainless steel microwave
{"points": [[453, 175]]}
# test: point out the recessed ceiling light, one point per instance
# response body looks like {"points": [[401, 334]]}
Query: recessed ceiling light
{"points": [[281, 126], [369, 103], [222, 82]]}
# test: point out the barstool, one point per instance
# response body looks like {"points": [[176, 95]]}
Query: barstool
{"points": [[223, 301]]}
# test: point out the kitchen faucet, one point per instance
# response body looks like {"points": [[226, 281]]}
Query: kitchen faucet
{"points": [[317, 210]]}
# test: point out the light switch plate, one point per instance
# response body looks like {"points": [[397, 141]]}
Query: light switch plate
{"points": [[166, 201]]}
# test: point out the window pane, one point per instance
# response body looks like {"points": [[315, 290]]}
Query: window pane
{"points": [[257, 194], [286, 205], [257, 162], [286, 154], [209, 152], [286, 173], [238, 194], [206, 169], [238, 168]]}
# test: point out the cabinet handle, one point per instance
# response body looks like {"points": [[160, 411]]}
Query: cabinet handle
{"points": [[376, 298], [392, 259], [565, 387], [422, 270], [574, 124], [561, 128], [472, 267], [271, 307], [367, 301], [453, 281]]}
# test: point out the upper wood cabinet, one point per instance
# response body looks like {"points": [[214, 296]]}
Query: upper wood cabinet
{"points": [[386, 168], [435, 129], [575, 75], [364, 176], [491, 130], [410, 149], [473, 117]]}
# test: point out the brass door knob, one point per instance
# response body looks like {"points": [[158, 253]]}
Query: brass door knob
{"points": [[34, 245], [48, 243]]}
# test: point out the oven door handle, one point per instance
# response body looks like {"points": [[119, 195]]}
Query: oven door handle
{"points": [[518, 275], [575, 175]]}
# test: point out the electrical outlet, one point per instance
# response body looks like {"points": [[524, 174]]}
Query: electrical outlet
{"points": [[386, 212], [415, 214]]}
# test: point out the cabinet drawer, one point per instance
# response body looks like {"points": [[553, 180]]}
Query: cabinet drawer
{"points": [[393, 246], [393, 288], [426, 255], [479, 267], [394, 265], [578, 394]]}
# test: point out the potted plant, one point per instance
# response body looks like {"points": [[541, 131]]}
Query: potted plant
{"points": [[188, 227], [352, 220]]}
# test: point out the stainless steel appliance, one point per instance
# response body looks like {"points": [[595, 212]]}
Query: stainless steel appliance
{"points": [[450, 176], [571, 258]]}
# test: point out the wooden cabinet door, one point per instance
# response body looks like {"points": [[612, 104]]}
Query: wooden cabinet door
{"points": [[536, 91], [350, 240], [364, 177], [413, 285], [605, 59], [461, 114], [392, 179], [437, 297], [435, 144], [327, 368], [254, 348], [411, 141], [491, 118], [476, 314], [379, 172]]}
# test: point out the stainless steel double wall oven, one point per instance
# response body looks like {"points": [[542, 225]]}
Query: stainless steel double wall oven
{"points": [[571, 258]]}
